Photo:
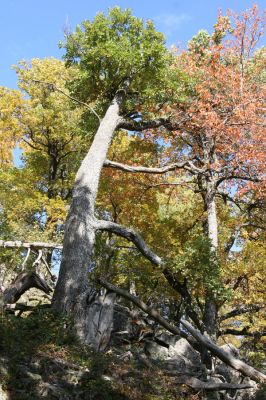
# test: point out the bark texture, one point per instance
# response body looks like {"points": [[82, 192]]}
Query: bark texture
{"points": [[73, 293]]}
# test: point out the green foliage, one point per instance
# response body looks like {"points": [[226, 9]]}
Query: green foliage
{"points": [[114, 47], [200, 42]]}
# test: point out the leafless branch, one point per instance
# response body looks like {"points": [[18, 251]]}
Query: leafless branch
{"points": [[130, 235], [34, 245], [53, 87]]}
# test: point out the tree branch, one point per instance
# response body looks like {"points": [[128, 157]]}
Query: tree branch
{"points": [[131, 125], [239, 177], [204, 341], [183, 291], [197, 384], [22, 283], [187, 165], [242, 332], [35, 245], [130, 235], [238, 365], [53, 87], [241, 310]]}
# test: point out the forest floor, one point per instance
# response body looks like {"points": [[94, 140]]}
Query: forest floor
{"points": [[39, 359]]}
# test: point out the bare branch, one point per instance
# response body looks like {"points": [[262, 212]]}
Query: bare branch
{"points": [[25, 259], [130, 235], [241, 310], [34, 245], [187, 165], [197, 384], [24, 307], [143, 306], [182, 289], [53, 87], [22, 283], [242, 332], [238, 177], [131, 125], [238, 365]]}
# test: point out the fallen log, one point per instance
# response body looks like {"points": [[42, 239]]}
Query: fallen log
{"points": [[196, 383], [228, 359], [25, 307], [9, 244], [216, 351]]}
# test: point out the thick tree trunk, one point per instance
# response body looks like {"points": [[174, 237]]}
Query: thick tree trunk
{"points": [[73, 293]]}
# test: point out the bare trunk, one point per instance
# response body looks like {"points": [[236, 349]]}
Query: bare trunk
{"points": [[210, 309], [74, 294]]}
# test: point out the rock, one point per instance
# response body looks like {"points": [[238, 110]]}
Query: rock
{"points": [[174, 366], [183, 348], [230, 374], [122, 319], [166, 339], [155, 351], [3, 394], [126, 356], [249, 394], [34, 377]]}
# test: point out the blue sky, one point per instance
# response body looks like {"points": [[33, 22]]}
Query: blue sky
{"points": [[33, 28]]}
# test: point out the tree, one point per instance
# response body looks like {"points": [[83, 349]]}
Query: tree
{"points": [[216, 132], [123, 60], [45, 124]]}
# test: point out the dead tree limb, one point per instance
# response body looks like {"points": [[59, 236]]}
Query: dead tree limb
{"points": [[196, 383], [9, 244], [130, 235], [242, 310], [228, 359], [21, 284], [25, 307], [238, 365]]}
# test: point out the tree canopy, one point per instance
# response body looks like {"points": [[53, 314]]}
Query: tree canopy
{"points": [[149, 162]]}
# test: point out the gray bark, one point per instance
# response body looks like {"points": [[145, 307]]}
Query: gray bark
{"points": [[9, 244], [229, 359], [73, 293], [210, 307], [196, 383]]}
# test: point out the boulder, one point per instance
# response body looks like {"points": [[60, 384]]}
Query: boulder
{"points": [[166, 339], [230, 374], [184, 349], [3, 394], [155, 350]]}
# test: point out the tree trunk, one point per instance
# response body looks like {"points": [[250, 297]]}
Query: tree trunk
{"points": [[210, 308], [73, 293]]}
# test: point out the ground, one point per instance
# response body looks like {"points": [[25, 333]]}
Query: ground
{"points": [[40, 359]]}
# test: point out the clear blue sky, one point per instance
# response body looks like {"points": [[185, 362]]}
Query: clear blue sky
{"points": [[33, 28]]}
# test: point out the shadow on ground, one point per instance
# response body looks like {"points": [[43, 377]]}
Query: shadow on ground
{"points": [[39, 359]]}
